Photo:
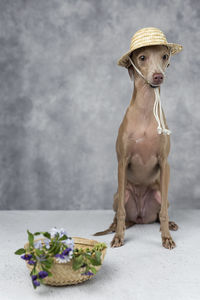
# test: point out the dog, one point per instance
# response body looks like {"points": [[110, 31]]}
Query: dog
{"points": [[142, 151]]}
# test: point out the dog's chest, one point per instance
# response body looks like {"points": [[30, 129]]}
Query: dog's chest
{"points": [[144, 141], [143, 149]]}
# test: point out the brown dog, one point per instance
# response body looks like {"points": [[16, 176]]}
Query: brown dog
{"points": [[143, 169]]}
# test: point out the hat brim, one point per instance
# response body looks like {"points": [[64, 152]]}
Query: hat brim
{"points": [[124, 60]]}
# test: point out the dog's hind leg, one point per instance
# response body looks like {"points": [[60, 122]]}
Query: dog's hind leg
{"points": [[112, 228], [172, 225], [129, 224]]}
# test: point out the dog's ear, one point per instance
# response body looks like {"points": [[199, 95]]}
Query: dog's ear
{"points": [[130, 72]]}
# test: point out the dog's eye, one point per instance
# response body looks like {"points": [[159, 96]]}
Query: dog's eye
{"points": [[165, 57], [142, 57]]}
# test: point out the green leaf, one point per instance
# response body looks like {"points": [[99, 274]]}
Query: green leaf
{"points": [[77, 262], [33, 272], [30, 238], [51, 259], [98, 257], [94, 262], [56, 250], [100, 246], [37, 233], [47, 264], [95, 259], [39, 252], [20, 251], [94, 271], [47, 235], [64, 237], [52, 248], [87, 269], [49, 273]]}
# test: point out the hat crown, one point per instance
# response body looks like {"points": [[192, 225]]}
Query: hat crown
{"points": [[147, 36]]}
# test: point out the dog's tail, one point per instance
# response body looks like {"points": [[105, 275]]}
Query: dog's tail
{"points": [[112, 228]]}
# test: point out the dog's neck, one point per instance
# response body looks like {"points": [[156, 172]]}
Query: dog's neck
{"points": [[143, 96]]}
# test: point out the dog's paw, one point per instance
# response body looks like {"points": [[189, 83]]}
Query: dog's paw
{"points": [[168, 243], [173, 226], [117, 241]]}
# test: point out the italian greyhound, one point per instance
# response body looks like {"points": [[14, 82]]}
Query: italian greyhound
{"points": [[142, 151]]}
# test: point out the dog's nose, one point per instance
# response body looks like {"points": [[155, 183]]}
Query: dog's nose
{"points": [[157, 78]]}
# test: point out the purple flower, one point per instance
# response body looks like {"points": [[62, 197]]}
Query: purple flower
{"points": [[36, 282], [34, 277], [60, 255], [69, 243], [65, 256], [88, 273], [31, 262], [66, 251], [26, 256], [42, 274]]}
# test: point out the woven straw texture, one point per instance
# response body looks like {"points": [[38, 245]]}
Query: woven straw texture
{"points": [[149, 36], [63, 273]]}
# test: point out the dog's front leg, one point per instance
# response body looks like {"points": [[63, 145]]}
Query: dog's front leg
{"points": [[167, 241], [118, 239]]}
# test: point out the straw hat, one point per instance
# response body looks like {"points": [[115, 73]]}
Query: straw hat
{"points": [[147, 37]]}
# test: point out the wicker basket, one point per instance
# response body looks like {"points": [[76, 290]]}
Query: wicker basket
{"points": [[63, 273]]}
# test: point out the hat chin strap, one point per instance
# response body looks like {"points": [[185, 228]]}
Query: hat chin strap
{"points": [[161, 129]]}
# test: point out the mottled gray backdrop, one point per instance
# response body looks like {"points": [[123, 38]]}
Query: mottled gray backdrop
{"points": [[63, 98]]}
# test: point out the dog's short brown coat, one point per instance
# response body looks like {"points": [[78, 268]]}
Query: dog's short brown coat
{"points": [[143, 169]]}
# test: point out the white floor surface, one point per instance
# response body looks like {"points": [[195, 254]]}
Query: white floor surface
{"points": [[140, 270]]}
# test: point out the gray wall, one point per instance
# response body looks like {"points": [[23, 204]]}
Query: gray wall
{"points": [[63, 98]]}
